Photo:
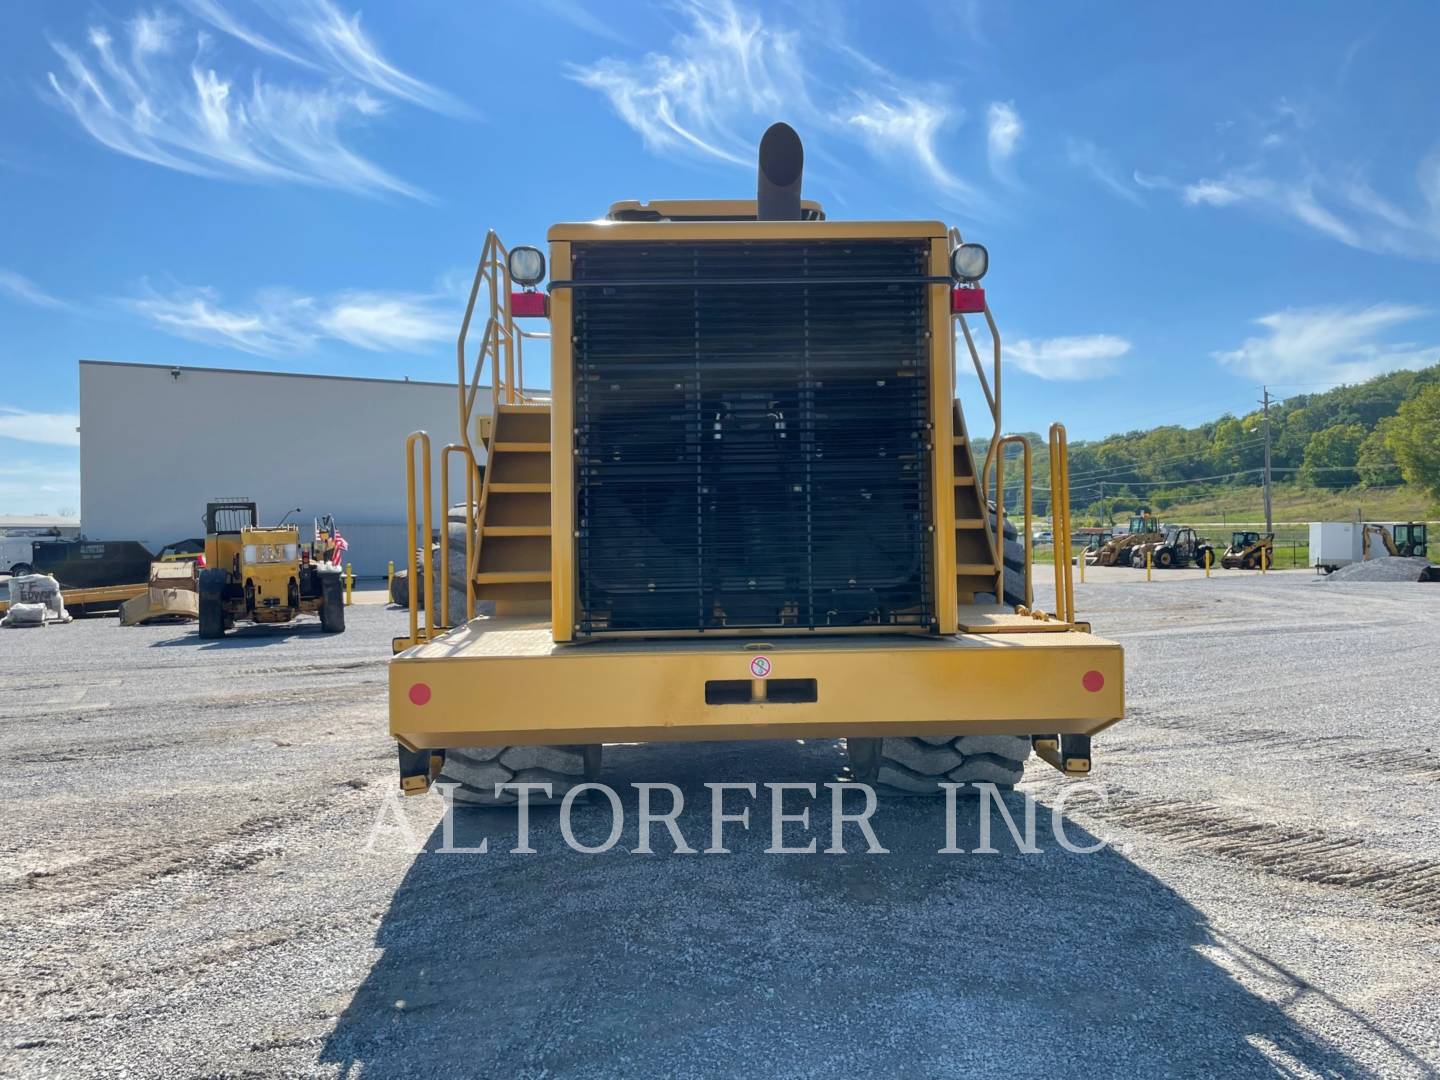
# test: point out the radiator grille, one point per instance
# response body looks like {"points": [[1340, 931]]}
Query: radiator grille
{"points": [[752, 435]]}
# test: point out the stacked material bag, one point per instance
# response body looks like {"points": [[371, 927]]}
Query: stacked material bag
{"points": [[34, 601]]}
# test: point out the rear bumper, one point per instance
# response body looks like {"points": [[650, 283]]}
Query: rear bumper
{"points": [[497, 681]]}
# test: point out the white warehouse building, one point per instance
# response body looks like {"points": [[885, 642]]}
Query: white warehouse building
{"points": [[157, 442]]}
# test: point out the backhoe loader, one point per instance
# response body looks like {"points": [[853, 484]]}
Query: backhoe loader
{"points": [[747, 508], [1177, 549], [1116, 551]]}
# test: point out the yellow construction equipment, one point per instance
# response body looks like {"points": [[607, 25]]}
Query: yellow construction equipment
{"points": [[1248, 550], [1119, 549], [1177, 548], [263, 574], [173, 594], [1411, 539], [747, 508]]}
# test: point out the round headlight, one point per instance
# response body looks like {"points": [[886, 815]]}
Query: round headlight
{"points": [[968, 262], [527, 265]]}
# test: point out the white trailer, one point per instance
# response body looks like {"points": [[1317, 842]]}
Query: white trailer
{"points": [[1334, 544]]}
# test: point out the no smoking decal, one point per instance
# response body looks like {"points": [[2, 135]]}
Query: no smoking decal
{"points": [[760, 667]]}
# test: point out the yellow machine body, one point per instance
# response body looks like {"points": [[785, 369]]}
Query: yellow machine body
{"points": [[529, 674], [270, 571], [263, 574]]}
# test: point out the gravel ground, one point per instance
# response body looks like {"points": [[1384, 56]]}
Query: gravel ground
{"points": [[185, 888]]}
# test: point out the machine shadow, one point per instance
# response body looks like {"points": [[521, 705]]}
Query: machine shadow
{"points": [[246, 637], [907, 963]]}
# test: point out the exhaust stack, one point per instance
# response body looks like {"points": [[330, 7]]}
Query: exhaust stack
{"points": [[782, 161]]}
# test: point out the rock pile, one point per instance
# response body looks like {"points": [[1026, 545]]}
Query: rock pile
{"points": [[1388, 568]]}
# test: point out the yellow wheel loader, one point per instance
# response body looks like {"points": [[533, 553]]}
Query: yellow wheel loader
{"points": [[748, 508], [263, 574]]}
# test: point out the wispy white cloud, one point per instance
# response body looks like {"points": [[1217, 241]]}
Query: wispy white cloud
{"points": [[21, 288], [1330, 345], [346, 47], [273, 324], [1085, 155], [157, 93], [1282, 177], [277, 322], [52, 429], [732, 71], [219, 17], [599, 22], [388, 321], [910, 127], [1085, 356], [1217, 192], [1004, 130], [719, 81]]}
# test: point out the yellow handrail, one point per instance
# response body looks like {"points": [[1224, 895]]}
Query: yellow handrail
{"points": [[1060, 522], [1024, 444], [455, 448], [423, 440]]}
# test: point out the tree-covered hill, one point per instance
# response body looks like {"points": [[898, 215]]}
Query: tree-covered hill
{"points": [[1379, 434]]}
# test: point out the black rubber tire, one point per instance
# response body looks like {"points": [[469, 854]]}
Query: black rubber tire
{"points": [[918, 766], [477, 769], [1014, 573], [211, 604], [1165, 558], [400, 589], [332, 604], [21, 569]]}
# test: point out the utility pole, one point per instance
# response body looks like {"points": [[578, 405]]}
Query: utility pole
{"points": [[1265, 404]]}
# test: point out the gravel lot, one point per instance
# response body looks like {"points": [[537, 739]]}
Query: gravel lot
{"points": [[185, 888]]}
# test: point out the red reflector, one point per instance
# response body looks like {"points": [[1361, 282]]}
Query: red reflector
{"points": [[969, 301], [1093, 681], [529, 305], [420, 694]]}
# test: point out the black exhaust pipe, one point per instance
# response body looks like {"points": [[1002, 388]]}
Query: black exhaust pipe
{"points": [[782, 161]]}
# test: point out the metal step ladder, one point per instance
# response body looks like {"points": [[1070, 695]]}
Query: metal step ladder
{"points": [[512, 567], [977, 564]]}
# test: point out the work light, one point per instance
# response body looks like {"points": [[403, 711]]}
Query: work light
{"points": [[968, 262], [527, 266]]}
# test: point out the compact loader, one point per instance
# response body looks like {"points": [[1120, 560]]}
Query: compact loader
{"points": [[748, 508], [263, 574], [1249, 551]]}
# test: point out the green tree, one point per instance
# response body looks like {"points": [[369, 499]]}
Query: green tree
{"points": [[1414, 438], [1376, 464], [1330, 456]]}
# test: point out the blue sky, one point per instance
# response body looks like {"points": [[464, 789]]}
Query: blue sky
{"points": [[1178, 207]]}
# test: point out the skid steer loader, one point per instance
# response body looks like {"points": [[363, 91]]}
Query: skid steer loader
{"points": [[1249, 551], [748, 508], [263, 574]]}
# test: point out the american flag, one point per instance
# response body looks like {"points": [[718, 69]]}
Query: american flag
{"points": [[338, 547]]}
